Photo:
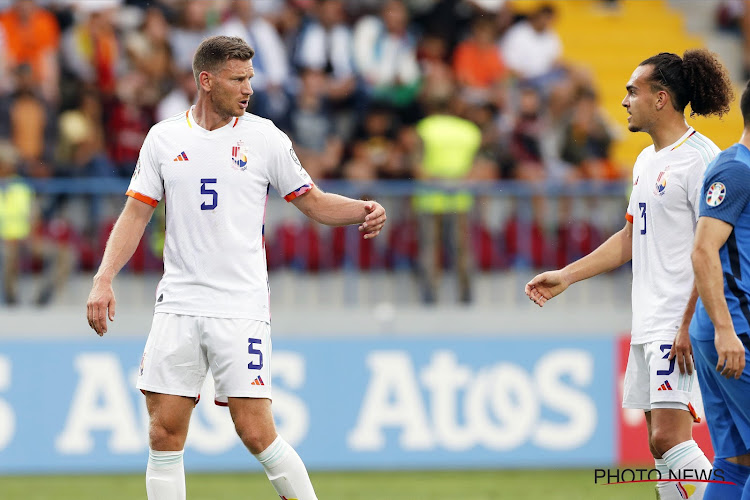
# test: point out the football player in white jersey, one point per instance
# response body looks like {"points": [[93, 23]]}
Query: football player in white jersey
{"points": [[213, 165], [657, 236]]}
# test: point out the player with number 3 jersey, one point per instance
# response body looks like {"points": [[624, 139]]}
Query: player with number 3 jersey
{"points": [[660, 226]]}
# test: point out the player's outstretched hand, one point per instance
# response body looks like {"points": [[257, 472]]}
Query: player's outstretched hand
{"points": [[374, 220], [101, 303], [731, 354], [545, 286], [682, 351]]}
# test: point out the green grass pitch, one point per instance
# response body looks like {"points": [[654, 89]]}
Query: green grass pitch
{"points": [[428, 485]]}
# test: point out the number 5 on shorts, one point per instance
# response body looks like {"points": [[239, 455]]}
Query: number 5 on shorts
{"points": [[250, 349]]}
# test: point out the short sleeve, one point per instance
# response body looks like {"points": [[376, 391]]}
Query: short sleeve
{"points": [[147, 184], [630, 213], [694, 186], [726, 192], [285, 172]]}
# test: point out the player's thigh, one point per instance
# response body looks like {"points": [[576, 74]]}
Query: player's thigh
{"points": [[239, 354], [251, 412], [726, 401], [169, 418], [174, 361], [671, 423], [635, 392]]}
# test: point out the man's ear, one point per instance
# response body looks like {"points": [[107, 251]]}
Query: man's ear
{"points": [[205, 80], [662, 99]]}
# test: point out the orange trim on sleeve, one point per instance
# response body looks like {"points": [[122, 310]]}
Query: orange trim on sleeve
{"points": [[143, 198], [628, 217], [299, 192]]}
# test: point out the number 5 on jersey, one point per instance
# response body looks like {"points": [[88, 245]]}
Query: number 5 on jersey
{"points": [[214, 195]]}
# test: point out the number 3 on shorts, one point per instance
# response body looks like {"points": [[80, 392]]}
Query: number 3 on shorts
{"points": [[666, 347], [250, 349]]}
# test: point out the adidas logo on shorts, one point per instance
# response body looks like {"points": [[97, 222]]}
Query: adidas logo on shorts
{"points": [[665, 386]]}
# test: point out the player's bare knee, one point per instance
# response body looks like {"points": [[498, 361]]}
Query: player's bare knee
{"points": [[662, 440], [740, 460], [255, 438], [164, 438], [654, 452]]}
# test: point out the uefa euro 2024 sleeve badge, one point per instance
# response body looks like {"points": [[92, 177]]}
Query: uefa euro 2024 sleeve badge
{"points": [[716, 194], [240, 152]]}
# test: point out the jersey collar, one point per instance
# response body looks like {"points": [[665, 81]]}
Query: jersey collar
{"points": [[687, 135], [194, 125]]}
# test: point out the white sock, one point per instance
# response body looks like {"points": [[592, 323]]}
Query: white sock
{"points": [[687, 460], [286, 471], [665, 490], [165, 475]]}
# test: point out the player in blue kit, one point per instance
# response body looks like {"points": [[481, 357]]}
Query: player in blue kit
{"points": [[720, 329]]}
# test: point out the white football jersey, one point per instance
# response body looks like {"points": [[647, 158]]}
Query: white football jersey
{"points": [[215, 185], [664, 209]]}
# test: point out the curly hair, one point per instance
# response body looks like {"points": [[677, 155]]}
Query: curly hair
{"points": [[697, 78]]}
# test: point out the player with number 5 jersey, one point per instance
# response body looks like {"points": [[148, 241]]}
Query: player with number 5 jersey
{"points": [[213, 167], [659, 229], [215, 184]]}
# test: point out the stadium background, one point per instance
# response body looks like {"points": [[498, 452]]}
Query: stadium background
{"points": [[371, 372]]}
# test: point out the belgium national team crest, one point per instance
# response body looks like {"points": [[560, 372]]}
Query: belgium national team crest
{"points": [[661, 182], [239, 156]]}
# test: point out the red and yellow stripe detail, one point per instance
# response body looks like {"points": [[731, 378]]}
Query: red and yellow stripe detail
{"points": [[299, 192]]}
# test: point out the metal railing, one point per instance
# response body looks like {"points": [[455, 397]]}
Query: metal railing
{"points": [[514, 227]]}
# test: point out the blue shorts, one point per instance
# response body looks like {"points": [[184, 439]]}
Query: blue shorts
{"points": [[726, 402]]}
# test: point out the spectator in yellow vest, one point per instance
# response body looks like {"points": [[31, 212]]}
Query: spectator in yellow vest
{"points": [[16, 204], [449, 146]]}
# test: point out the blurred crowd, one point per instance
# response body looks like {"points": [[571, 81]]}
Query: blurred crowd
{"points": [[731, 18], [366, 89]]}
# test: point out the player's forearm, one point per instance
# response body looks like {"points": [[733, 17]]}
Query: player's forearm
{"points": [[611, 254], [709, 282], [123, 240], [687, 316], [336, 210]]}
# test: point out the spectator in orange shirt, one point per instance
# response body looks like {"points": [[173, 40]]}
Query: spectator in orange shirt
{"points": [[477, 62], [31, 38]]}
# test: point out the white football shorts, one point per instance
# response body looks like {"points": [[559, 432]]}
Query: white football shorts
{"points": [[180, 349], [653, 381]]}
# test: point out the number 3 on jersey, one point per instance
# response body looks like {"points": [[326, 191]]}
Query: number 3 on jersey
{"points": [[642, 206], [214, 194]]}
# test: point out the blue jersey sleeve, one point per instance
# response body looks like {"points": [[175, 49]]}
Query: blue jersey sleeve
{"points": [[726, 191]]}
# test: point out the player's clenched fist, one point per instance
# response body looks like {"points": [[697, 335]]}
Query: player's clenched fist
{"points": [[545, 286]]}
